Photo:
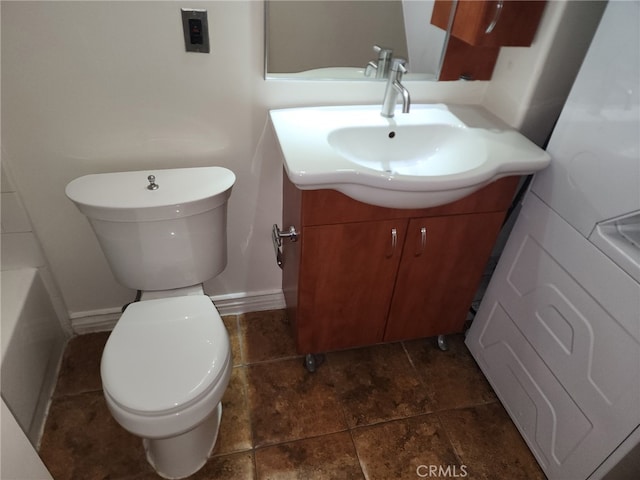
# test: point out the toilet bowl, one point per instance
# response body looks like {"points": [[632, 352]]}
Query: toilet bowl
{"points": [[167, 363], [164, 370]]}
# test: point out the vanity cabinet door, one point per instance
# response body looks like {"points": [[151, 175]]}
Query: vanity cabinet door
{"points": [[347, 275], [442, 264]]}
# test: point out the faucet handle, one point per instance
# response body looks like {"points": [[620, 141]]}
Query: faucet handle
{"points": [[383, 52], [370, 68], [399, 65]]}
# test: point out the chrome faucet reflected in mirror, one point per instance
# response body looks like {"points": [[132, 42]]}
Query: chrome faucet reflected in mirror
{"points": [[395, 88], [382, 65]]}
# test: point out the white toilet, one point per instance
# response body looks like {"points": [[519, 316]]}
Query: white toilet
{"points": [[167, 362]]}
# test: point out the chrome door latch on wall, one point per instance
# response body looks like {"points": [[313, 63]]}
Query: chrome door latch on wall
{"points": [[277, 235]]}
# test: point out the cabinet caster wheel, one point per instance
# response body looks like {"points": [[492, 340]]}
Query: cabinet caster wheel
{"points": [[442, 343], [312, 362]]}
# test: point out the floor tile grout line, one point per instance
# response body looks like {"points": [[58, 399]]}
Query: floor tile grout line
{"points": [[420, 376], [423, 414], [247, 406], [392, 420], [231, 452], [57, 396], [332, 377], [256, 473], [404, 347], [274, 360], [347, 429], [240, 338], [446, 433], [311, 437], [251, 416], [355, 448]]}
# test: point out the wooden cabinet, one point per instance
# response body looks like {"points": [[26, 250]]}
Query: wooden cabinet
{"points": [[360, 274], [347, 277], [441, 267], [479, 29], [510, 23]]}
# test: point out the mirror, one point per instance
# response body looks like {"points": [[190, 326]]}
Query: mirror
{"points": [[334, 39]]}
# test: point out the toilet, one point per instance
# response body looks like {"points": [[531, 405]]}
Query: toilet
{"points": [[167, 362]]}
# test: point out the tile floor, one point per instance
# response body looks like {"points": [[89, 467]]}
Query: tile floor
{"points": [[376, 413]]}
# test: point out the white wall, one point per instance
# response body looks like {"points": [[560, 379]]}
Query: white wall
{"points": [[92, 87], [424, 41], [530, 85], [20, 245]]}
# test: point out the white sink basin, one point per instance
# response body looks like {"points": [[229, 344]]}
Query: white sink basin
{"points": [[433, 155], [422, 150]]}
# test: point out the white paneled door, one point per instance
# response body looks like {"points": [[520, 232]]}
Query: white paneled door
{"points": [[557, 336]]}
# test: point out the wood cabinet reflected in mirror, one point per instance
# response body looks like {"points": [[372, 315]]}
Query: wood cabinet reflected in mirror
{"points": [[479, 29]]}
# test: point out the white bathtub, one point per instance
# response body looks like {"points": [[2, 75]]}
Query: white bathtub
{"points": [[32, 342]]}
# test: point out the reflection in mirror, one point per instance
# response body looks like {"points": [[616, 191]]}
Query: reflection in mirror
{"points": [[334, 39]]}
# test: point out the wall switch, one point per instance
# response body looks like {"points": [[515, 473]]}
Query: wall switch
{"points": [[196, 30]]}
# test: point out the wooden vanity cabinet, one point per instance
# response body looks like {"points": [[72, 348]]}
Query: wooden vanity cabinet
{"points": [[360, 274]]}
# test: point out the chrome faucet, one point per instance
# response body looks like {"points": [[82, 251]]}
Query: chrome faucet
{"points": [[395, 88], [381, 66]]}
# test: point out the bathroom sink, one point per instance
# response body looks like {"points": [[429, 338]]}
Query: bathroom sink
{"points": [[419, 150], [433, 155]]}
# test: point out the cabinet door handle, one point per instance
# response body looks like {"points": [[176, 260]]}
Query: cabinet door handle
{"points": [[496, 17], [276, 237], [423, 241], [394, 241]]}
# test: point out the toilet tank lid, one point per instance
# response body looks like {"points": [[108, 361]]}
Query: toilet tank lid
{"points": [[191, 188], [165, 354]]}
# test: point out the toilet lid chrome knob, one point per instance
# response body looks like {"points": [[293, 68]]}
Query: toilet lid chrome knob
{"points": [[152, 183]]}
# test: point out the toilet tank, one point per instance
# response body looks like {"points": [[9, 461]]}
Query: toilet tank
{"points": [[159, 234]]}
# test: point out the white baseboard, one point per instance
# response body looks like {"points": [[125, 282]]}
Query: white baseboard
{"points": [[237, 303], [94, 321], [230, 304]]}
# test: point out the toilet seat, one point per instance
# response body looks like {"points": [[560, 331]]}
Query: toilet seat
{"points": [[165, 354]]}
